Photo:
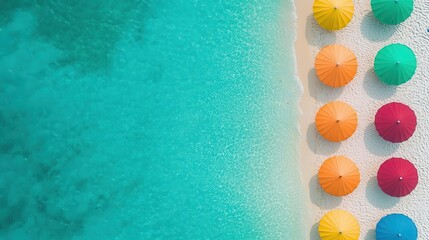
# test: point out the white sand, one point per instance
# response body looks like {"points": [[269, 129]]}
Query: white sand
{"points": [[365, 36]]}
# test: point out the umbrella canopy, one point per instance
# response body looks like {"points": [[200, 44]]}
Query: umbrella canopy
{"points": [[397, 177], [336, 65], [396, 227], [336, 121], [333, 14], [339, 176], [395, 64], [392, 11], [395, 122], [339, 225]]}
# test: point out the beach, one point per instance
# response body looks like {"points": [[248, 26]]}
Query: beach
{"points": [[191, 119], [365, 36]]}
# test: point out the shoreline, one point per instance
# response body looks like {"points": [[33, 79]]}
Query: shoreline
{"points": [[307, 107]]}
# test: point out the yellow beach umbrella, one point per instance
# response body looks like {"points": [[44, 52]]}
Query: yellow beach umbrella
{"points": [[339, 225], [333, 14], [336, 65], [336, 121], [339, 176]]}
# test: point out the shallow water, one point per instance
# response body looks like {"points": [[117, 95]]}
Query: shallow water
{"points": [[142, 119]]}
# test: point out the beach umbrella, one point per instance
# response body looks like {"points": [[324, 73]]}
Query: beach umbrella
{"points": [[339, 225], [339, 176], [336, 65], [336, 121], [395, 122], [392, 11], [396, 227], [397, 177], [333, 14], [395, 64]]}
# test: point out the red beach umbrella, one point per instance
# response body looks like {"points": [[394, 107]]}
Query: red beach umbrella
{"points": [[397, 177], [395, 122]]}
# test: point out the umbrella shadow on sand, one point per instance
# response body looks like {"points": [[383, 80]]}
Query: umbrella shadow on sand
{"points": [[375, 88], [318, 144], [374, 30], [377, 197], [320, 197], [319, 90], [370, 235], [316, 35], [314, 232], [377, 145]]}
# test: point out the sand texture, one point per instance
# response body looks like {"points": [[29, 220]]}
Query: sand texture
{"points": [[365, 36]]}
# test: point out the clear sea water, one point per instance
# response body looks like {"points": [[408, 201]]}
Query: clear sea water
{"points": [[149, 119]]}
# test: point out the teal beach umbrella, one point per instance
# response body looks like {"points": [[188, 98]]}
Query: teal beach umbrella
{"points": [[396, 227], [392, 11], [395, 64]]}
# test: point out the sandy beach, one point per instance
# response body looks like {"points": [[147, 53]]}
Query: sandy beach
{"points": [[365, 36]]}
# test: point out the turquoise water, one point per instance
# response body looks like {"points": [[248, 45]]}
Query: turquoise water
{"points": [[142, 119]]}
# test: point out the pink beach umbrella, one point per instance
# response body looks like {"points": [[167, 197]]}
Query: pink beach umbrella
{"points": [[395, 122], [397, 177]]}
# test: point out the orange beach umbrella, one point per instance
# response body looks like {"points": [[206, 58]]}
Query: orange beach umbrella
{"points": [[339, 176], [336, 121], [336, 65]]}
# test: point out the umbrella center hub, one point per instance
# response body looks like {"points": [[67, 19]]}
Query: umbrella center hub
{"points": [[400, 178], [399, 235], [337, 121], [396, 1], [398, 122]]}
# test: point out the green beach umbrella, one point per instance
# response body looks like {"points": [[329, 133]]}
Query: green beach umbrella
{"points": [[395, 64], [392, 11]]}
